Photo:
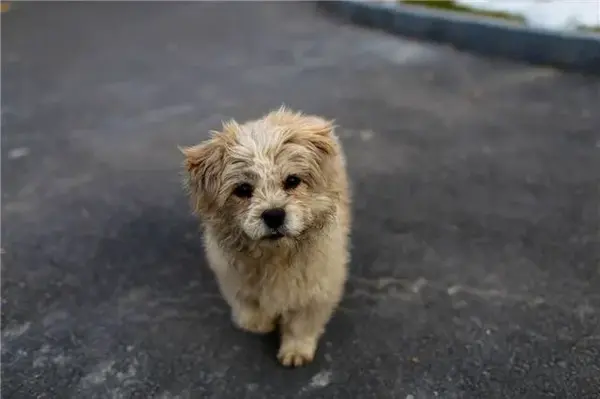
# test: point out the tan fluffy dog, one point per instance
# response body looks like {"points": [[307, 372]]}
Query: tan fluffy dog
{"points": [[273, 198]]}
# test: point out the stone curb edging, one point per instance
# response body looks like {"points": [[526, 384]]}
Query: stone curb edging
{"points": [[570, 51]]}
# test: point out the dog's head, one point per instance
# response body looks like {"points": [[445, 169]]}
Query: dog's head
{"points": [[269, 179]]}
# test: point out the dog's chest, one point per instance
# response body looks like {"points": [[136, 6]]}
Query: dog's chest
{"points": [[278, 285]]}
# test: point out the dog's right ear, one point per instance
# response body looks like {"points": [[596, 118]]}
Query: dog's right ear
{"points": [[203, 164]]}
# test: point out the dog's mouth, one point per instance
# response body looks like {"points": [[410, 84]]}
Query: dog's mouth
{"points": [[274, 236]]}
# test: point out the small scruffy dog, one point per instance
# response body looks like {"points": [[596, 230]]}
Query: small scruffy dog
{"points": [[273, 198]]}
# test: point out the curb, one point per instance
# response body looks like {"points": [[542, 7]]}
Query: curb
{"points": [[571, 51]]}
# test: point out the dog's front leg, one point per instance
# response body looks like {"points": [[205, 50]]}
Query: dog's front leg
{"points": [[300, 333], [248, 316], [246, 313]]}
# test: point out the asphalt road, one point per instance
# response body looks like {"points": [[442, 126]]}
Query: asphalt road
{"points": [[475, 270]]}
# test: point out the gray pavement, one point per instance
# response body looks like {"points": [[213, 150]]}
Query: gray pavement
{"points": [[476, 253]]}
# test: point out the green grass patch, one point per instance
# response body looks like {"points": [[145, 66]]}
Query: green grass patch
{"points": [[592, 29], [450, 5]]}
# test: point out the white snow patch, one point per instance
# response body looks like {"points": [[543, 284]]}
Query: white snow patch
{"points": [[320, 380], [16, 331], [547, 14], [17, 153], [366, 135], [99, 374]]}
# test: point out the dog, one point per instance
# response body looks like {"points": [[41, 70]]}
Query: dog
{"points": [[273, 199]]}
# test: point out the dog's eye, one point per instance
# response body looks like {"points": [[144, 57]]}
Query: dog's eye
{"points": [[243, 190], [291, 182]]}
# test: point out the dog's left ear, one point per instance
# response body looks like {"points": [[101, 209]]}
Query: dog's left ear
{"points": [[319, 133]]}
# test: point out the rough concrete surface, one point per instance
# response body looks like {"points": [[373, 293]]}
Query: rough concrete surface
{"points": [[475, 270]]}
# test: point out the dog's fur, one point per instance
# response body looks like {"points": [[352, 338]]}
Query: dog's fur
{"points": [[296, 280]]}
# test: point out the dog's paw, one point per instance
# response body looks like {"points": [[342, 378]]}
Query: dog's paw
{"points": [[296, 355], [294, 359], [253, 322]]}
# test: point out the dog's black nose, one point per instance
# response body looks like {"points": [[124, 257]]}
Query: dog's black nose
{"points": [[274, 218]]}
